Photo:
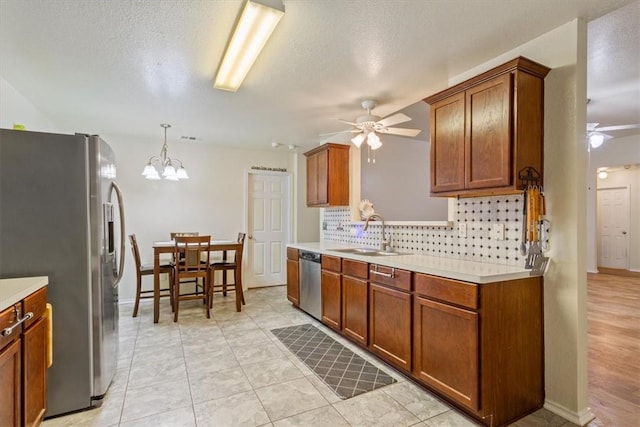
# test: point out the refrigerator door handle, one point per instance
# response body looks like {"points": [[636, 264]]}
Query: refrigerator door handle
{"points": [[115, 187]]}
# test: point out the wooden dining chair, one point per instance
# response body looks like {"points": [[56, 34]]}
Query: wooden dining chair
{"points": [[147, 270], [225, 265], [189, 251], [173, 234]]}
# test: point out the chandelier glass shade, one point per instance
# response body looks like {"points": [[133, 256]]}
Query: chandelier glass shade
{"points": [[163, 166]]}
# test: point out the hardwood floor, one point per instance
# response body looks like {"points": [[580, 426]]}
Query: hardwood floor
{"points": [[613, 313]]}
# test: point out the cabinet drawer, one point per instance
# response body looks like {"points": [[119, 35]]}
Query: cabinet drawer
{"points": [[331, 263], [355, 268], [451, 291], [35, 303], [396, 278], [292, 253], [8, 318]]}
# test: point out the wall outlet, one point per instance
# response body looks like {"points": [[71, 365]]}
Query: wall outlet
{"points": [[462, 229], [497, 232]]}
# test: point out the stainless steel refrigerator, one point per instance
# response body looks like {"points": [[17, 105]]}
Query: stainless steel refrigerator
{"points": [[61, 215]]}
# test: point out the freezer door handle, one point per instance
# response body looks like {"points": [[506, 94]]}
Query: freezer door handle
{"points": [[115, 187]]}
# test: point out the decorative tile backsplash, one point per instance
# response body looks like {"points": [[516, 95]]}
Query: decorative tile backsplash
{"points": [[480, 214]]}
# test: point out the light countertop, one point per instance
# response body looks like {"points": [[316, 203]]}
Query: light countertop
{"points": [[14, 290], [468, 271]]}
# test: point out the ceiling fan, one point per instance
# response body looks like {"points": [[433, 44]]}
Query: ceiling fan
{"points": [[369, 126], [596, 135]]}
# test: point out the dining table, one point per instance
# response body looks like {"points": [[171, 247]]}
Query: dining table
{"points": [[168, 246]]}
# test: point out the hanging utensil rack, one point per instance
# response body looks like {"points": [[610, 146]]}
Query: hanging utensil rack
{"points": [[531, 182]]}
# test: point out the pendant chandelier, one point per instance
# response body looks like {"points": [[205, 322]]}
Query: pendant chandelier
{"points": [[163, 166]]}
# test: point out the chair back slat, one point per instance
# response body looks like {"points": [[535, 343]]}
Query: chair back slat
{"points": [[135, 250], [193, 253]]}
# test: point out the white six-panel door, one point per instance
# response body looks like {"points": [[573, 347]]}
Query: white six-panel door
{"points": [[613, 227], [268, 228]]}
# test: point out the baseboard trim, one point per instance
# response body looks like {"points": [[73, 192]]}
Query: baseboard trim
{"points": [[593, 271], [581, 418]]}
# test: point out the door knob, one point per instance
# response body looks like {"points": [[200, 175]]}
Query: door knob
{"points": [[250, 236], [624, 232]]}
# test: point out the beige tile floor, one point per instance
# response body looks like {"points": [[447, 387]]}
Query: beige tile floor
{"points": [[231, 371]]}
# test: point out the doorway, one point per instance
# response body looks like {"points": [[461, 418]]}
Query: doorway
{"points": [[268, 227], [613, 227]]}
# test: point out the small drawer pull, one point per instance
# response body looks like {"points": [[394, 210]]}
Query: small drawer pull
{"points": [[8, 331], [391, 275]]}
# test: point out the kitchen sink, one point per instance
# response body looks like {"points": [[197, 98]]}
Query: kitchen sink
{"points": [[370, 252]]}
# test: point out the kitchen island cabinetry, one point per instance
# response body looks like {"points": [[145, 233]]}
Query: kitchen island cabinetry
{"points": [[293, 282], [355, 297], [486, 129], [331, 289], [390, 315], [23, 361], [328, 175]]}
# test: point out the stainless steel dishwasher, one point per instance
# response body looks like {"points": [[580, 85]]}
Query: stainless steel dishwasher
{"points": [[310, 293]]}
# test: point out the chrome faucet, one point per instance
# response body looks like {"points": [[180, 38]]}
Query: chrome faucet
{"points": [[385, 244]]}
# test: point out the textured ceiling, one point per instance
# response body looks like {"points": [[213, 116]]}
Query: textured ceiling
{"points": [[119, 68]]}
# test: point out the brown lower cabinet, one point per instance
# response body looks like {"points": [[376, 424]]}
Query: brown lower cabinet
{"points": [[446, 338], [331, 288], [354, 313], [390, 314], [23, 363], [479, 346], [390, 325], [293, 285]]}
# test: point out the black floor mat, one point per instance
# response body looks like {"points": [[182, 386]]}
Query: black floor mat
{"points": [[341, 369]]}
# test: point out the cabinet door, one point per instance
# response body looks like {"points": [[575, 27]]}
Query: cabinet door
{"points": [[447, 144], [331, 299], [317, 178], [10, 384], [390, 325], [446, 350], [34, 370], [354, 308], [293, 288], [488, 134], [312, 180]]}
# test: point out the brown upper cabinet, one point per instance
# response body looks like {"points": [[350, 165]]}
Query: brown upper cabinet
{"points": [[328, 175], [486, 129]]}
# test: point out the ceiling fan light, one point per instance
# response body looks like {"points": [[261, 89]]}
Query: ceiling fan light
{"points": [[596, 140], [358, 140], [373, 141]]}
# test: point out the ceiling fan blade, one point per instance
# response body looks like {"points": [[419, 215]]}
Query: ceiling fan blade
{"points": [[592, 126], [393, 120], [401, 131], [347, 122], [620, 127], [339, 132]]}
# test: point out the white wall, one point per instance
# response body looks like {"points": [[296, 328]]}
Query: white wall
{"points": [[617, 152], [564, 50], [212, 201], [16, 109]]}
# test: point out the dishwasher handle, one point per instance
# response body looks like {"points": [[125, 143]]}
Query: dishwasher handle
{"points": [[310, 256]]}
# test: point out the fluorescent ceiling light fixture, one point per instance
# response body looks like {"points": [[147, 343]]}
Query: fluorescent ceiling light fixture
{"points": [[254, 28]]}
